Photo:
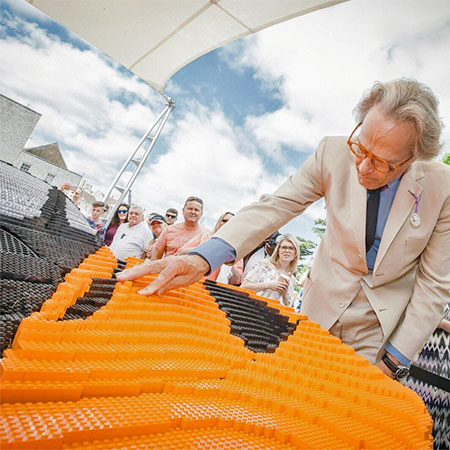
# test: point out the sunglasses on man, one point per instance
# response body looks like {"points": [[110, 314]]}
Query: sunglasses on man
{"points": [[171, 216]]}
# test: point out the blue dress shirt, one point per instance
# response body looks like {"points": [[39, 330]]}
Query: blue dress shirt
{"points": [[386, 199]]}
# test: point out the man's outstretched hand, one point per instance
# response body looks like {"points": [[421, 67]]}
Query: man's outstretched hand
{"points": [[174, 272]]}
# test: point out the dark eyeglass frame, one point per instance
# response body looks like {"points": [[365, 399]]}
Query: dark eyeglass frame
{"points": [[171, 216], [371, 156]]}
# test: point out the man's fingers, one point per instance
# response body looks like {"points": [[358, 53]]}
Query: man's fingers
{"points": [[177, 271], [140, 270], [164, 277], [172, 284]]}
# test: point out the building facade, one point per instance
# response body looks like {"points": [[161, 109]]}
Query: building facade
{"points": [[46, 162]]}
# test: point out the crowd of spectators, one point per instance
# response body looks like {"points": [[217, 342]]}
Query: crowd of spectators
{"points": [[269, 269]]}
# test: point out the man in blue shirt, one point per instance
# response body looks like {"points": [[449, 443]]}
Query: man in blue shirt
{"points": [[95, 221], [381, 276]]}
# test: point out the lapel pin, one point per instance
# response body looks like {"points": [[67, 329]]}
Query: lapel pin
{"points": [[415, 218]]}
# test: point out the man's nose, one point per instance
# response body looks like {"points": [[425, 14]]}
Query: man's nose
{"points": [[365, 166]]}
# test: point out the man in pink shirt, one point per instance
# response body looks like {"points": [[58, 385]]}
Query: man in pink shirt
{"points": [[176, 236]]}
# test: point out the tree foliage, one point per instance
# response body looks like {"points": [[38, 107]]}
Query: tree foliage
{"points": [[301, 269], [306, 247], [446, 159], [320, 227]]}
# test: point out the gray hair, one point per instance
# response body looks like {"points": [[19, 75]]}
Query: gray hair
{"points": [[141, 211], [406, 99]]}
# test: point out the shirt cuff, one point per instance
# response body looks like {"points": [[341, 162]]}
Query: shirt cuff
{"points": [[396, 354], [215, 252]]}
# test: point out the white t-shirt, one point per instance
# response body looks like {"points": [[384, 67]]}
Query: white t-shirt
{"points": [[131, 241]]}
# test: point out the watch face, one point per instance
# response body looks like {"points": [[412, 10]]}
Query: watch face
{"points": [[401, 373]]}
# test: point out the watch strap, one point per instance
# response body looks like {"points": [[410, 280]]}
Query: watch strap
{"points": [[399, 372], [389, 363]]}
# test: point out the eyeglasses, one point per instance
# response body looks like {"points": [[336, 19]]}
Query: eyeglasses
{"points": [[360, 153], [287, 249], [171, 216], [122, 211]]}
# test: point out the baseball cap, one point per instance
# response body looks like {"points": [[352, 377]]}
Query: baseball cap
{"points": [[157, 218]]}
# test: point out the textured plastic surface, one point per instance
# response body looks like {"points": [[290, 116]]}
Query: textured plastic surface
{"points": [[166, 372]]}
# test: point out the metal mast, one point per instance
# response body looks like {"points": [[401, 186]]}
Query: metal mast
{"points": [[137, 159]]}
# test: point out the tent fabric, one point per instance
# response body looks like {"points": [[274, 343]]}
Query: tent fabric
{"points": [[156, 38]]}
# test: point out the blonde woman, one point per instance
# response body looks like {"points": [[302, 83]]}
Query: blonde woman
{"points": [[274, 277]]}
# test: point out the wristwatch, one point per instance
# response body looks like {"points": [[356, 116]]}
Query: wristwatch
{"points": [[399, 372]]}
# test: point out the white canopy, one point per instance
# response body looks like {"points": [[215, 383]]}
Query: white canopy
{"points": [[156, 38]]}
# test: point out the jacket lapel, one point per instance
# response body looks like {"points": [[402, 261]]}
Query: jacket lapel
{"points": [[401, 209], [358, 214]]}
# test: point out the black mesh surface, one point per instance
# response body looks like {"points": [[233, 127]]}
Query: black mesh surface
{"points": [[38, 245], [98, 295], [260, 326]]}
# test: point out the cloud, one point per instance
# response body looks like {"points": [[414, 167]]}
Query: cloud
{"points": [[317, 66], [98, 113], [325, 60], [87, 104], [205, 158]]}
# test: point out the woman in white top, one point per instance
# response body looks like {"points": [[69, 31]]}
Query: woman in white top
{"points": [[274, 277]]}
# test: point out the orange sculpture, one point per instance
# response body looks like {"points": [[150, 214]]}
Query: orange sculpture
{"points": [[167, 373]]}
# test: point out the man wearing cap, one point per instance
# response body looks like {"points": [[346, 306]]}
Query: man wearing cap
{"points": [[175, 237], [157, 224], [381, 275]]}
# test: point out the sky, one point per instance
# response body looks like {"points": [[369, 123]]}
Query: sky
{"points": [[247, 115]]}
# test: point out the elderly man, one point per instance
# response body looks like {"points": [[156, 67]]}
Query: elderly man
{"points": [[175, 237], [132, 237], [381, 276]]}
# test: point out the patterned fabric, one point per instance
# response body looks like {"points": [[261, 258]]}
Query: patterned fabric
{"points": [[435, 357], [99, 227], [265, 271]]}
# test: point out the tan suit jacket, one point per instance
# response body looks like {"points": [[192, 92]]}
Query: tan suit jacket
{"points": [[410, 283]]}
